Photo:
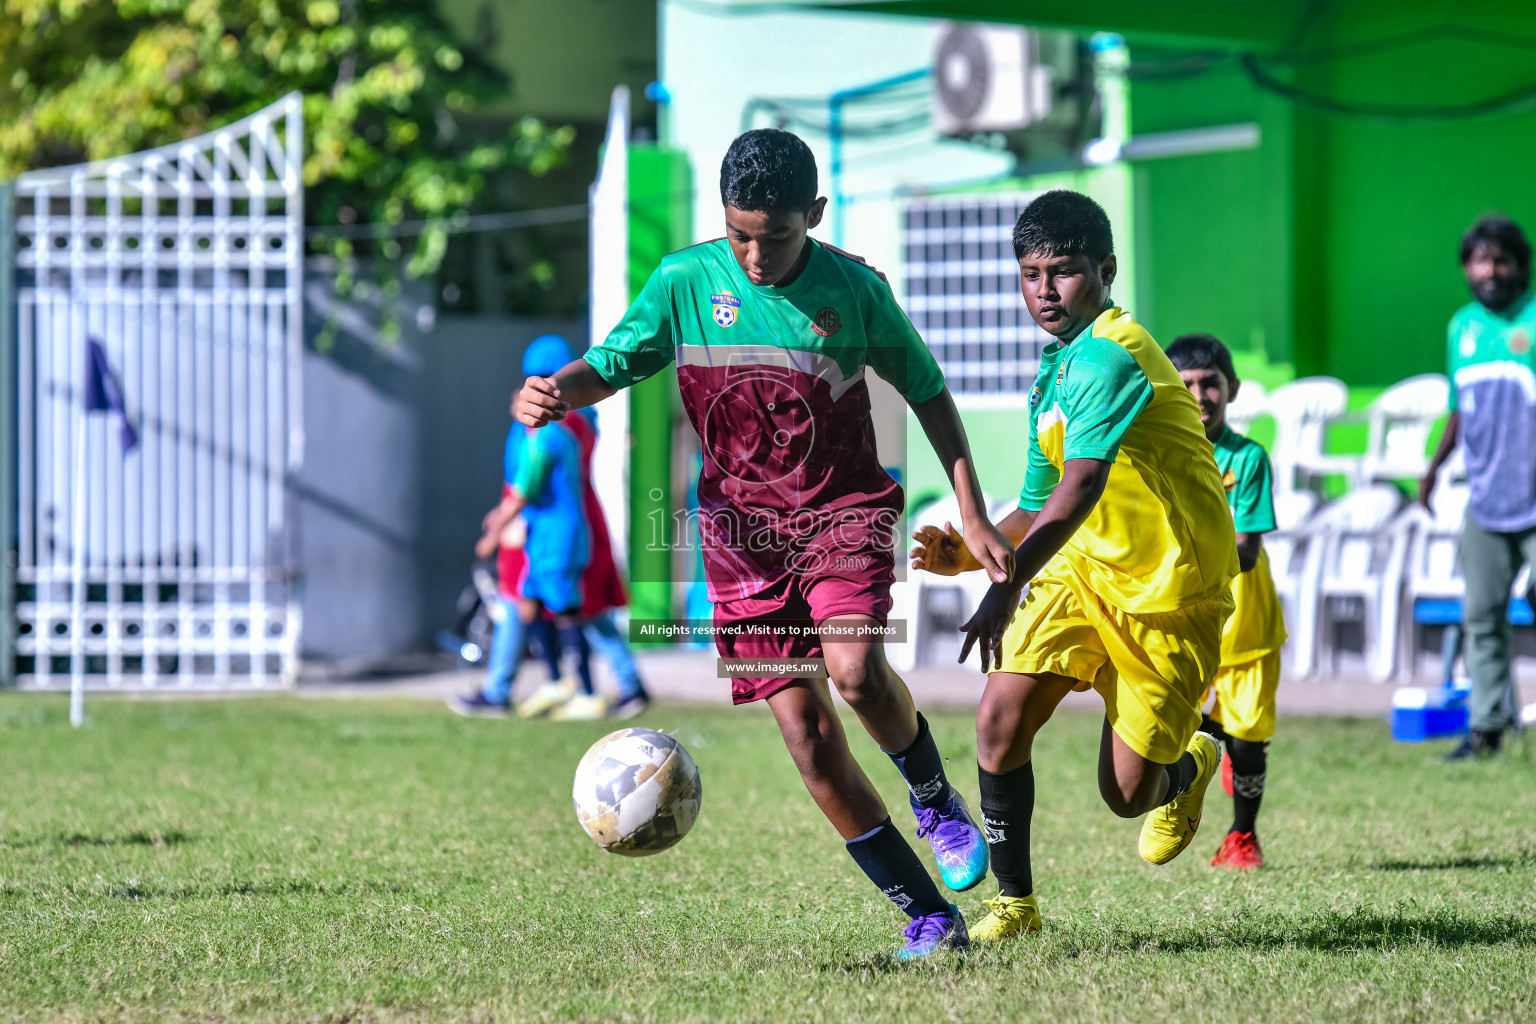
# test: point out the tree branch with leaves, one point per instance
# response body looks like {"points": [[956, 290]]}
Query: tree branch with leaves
{"points": [[385, 82]]}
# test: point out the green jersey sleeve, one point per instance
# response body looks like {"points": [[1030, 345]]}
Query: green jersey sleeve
{"points": [[1252, 499], [1102, 393], [537, 465], [642, 344], [896, 351], [1040, 476]]}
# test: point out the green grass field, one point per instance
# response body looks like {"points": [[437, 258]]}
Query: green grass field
{"points": [[291, 860]]}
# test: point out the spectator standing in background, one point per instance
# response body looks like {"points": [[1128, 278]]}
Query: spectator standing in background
{"points": [[1493, 414]]}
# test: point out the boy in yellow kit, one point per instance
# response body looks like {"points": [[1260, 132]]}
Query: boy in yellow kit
{"points": [[1244, 713], [1126, 543]]}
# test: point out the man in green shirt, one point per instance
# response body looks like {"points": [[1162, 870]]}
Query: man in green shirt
{"points": [[1493, 414]]}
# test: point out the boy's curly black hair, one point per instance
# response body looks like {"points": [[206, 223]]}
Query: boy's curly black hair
{"points": [[1062, 222], [768, 169]]}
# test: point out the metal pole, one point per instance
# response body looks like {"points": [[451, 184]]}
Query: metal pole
{"points": [[77, 580], [835, 138], [9, 338]]}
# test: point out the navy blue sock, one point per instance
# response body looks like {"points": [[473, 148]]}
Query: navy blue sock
{"points": [[574, 640], [923, 769], [885, 857], [543, 634]]}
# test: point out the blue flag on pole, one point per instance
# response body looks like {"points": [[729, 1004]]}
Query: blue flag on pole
{"points": [[104, 394]]}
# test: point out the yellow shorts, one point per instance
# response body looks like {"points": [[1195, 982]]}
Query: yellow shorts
{"points": [[1152, 669], [1245, 697]]}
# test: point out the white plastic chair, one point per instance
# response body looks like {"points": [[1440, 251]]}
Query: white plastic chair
{"points": [[1401, 420], [1291, 510], [1252, 401], [1302, 410], [1286, 547], [1432, 571], [923, 596], [1344, 560]]}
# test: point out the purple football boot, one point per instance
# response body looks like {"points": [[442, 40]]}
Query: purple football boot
{"points": [[933, 932], [958, 845]]}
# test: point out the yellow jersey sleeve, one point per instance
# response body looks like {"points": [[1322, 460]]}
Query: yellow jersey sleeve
{"points": [[1161, 536]]}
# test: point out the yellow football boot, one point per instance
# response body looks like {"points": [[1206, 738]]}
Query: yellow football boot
{"points": [[546, 698], [1169, 828], [584, 707], [1007, 917]]}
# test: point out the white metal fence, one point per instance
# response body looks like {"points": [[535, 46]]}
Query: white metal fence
{"points": [[185, 263]]}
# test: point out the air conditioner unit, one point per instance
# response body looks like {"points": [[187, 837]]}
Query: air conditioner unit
{"points": [[988, 78]]}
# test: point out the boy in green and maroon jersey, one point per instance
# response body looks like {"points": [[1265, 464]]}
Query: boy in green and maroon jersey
{"points": [[771, 332]]}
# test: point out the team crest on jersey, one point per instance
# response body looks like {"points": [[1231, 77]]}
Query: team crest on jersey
{"points": [[725, 308], [1519, 342], [1229, 479], [827, 322]]}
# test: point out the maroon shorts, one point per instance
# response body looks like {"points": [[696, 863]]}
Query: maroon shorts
{"points": [[798, 599]]}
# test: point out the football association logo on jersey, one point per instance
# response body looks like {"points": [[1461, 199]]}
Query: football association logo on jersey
{"points": [[1519, 342], [1229, 480], [725, 308], [827, 322]]}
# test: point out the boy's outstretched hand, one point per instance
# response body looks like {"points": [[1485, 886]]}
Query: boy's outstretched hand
{"points": [[538, 402], [942, 551], [947, 553], [989, 623]]}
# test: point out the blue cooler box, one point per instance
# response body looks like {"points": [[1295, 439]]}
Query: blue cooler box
{"points": [[1419, 714]]}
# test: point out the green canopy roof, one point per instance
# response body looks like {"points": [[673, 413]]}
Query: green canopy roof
{"points": [[1254, 24], [1266, 25]]}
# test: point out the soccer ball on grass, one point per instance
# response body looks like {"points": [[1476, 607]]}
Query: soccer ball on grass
{"points": [[637, 792]]}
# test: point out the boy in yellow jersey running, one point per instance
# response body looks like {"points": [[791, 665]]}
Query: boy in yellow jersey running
{"points": [[1244, 713], [1126, 543]]}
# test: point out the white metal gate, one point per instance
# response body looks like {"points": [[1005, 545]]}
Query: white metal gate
{"points": [[184, 263]]}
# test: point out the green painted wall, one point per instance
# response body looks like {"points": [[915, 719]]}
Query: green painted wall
{"points": [[1216, 230], [1332, 247]]}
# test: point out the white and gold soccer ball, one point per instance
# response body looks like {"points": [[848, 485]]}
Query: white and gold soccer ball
{"points": [[637, 792]]}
